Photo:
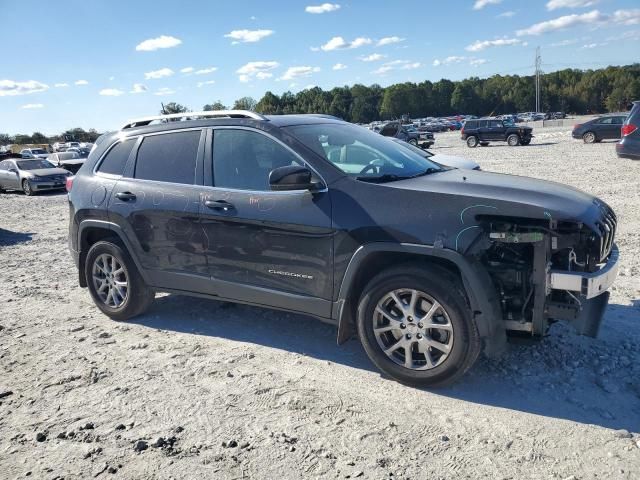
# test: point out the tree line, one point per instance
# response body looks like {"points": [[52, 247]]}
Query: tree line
{"points": [[571, 90]]}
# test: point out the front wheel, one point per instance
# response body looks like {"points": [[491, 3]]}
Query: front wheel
{"points": [[472, 142], [116, 286], [413, 142], [513, 140], [26, 188], [589, 137], [415, 326]]}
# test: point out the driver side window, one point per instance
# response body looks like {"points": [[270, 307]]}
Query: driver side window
{"points": [[243, 159]]}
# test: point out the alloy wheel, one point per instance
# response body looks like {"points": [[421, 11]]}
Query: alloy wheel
{"points": [[110, 280], [413, 329]]}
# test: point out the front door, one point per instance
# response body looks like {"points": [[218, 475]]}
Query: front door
{"points": [[9, 180], [157, 203], [271, 248]]}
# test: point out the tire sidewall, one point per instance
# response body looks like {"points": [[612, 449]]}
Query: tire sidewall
{"points": [[413, 142], [26, 187], [472, 141], [512, 143], [454, 307], [589, 137]]}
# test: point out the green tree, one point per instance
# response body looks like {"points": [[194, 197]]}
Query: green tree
{"points": [[217, 105], [38, 137], [269, 104], [245, 103], [173, 107]]}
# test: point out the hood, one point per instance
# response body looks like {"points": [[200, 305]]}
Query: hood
{"points": [[44, 172], [509, 195], [455, 162]]}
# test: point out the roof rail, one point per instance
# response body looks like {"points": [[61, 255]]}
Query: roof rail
{"points": [[140, 122]]}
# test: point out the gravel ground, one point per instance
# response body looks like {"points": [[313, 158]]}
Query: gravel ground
{"points": [[200, 389]]}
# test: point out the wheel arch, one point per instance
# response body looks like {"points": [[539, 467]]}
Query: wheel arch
{"points": [[92, 231], [372, 258]]}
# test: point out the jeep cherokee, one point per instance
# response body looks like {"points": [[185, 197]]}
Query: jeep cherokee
{"points": [[481, 131], [428, 265]]}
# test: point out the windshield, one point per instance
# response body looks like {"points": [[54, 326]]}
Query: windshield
{"points": [[38, 151], [361, 153], [33, 164], [508, 122]]}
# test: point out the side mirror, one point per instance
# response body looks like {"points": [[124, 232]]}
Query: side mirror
{"points": [[292, 177], [12, 170]]}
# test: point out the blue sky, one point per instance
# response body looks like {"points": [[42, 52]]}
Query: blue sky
{"points": [[90, 63]]}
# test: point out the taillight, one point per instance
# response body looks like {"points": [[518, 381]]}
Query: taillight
{"points": [[69, 183], [577, 125], [462, 131], [628, 129]]}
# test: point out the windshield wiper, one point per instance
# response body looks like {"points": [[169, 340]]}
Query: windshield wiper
{"points": [[387, 177], [428, 171]]}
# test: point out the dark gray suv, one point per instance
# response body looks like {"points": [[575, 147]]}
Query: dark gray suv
{"points": [[428, 265], [629, 145]]}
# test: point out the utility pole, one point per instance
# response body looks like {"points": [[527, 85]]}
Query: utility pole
{"points": [[538, 72]]}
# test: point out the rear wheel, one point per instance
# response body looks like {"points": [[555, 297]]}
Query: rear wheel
{"points": [[413, 142], [415, 326], [589, 137], [116, 286], [26, 187], [472, 141], [513, 140]]}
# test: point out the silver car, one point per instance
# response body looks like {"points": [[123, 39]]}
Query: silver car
{"points": [[446, 160], [34, 153], [31, 175]]}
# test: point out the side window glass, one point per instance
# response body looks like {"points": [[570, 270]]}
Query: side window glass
{"points": [[606, 121], [243, 159], [116, 158], [169, 157], [4, 165]]}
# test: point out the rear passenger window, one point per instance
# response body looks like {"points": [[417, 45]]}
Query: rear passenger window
{"points": [[117, 157], [169, 157]]}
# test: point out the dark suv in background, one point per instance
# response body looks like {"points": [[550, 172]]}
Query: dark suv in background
{"points": [[482, 131], [428, 265], [629, 146], [407, 134], [606, 127]]}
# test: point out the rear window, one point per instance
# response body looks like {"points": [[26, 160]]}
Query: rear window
{"points": [[471, 124], [117, 157], [169, 157]]}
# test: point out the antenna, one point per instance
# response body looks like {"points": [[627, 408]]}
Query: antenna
{"points": [[538, 72]]}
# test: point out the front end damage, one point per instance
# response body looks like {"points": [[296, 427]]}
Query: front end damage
{"points": [[545, 270]]}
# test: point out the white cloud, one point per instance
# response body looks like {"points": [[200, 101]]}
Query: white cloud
{"points": [[589, 46], [81, 82], [374, 57], [449, 60], [162, 73], [476, 62], [389, 41], [339, 43], [564, 43], [260, 70], [10, 88], [324, 8], [555, 4], [187, 70], [164, 91], [339, 66], [507, 14], [248, 36], [30, 106], [112, 78], [480, 4], [396, 65], [478, 45], [594, 17], [163, 41], [111, 92], [138, 88], [293, 73], [208, 82], [204, 71], [61, 85]]}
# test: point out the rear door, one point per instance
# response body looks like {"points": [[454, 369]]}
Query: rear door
{"points": [[271, 248], [156, 203], [10, 179], [616, 124]]}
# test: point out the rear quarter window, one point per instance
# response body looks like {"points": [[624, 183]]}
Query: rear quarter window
{"points": [[169, 157], [116, 158]]}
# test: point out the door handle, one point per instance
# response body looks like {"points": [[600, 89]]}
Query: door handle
{"points": [[218, 205], [125, 196]]}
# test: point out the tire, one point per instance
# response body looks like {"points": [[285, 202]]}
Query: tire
{"points": [[26, 188], [472, 141], [428, 368], [484, 144], [589, 137], [136, 297], [513, 140], [413, 142]]}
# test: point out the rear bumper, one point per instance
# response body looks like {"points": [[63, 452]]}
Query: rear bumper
{"points": [[625, 150]]}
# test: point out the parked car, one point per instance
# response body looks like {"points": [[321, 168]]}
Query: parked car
{"points": [[59, 147], [397, 130], [31, 175], [427, 265], [606, 127], [485, 130], [34, 153], [629, 146], [446, 160], [68, 160]]}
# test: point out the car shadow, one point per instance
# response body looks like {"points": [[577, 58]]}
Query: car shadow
{"points": [[46, 193], [8, 238], [497, 145], [559, 377]]}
